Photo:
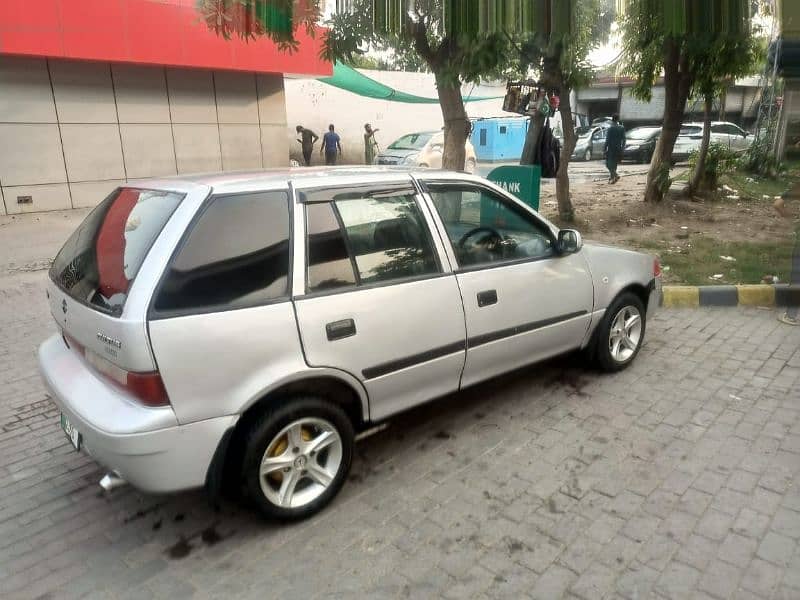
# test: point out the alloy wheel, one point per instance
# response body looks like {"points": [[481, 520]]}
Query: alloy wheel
{"points": [[300, 462], [625, 334]]}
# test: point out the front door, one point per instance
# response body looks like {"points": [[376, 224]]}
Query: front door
{"points": [[377, 301], [522, 301]]}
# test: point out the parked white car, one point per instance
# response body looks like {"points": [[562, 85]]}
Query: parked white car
{"points": [[245, 326], [722, 132], [423, 149]]}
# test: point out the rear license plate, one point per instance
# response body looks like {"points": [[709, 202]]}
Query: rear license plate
{"points": [[72, 433]]}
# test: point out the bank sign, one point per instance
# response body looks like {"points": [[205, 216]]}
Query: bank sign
{"points": [[520, 180]]}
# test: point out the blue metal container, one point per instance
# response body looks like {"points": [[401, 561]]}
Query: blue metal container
{"points": [[499, 139]]}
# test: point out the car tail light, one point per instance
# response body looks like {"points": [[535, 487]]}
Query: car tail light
{"points": [[148, 388], [656, 268]]}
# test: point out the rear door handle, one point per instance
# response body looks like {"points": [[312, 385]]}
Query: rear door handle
{"points": [[487, 297], [338, 330]]}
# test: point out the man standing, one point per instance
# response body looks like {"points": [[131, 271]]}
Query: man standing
{"points": [[307, 140], [615, 142], [370, 145], [331, 146]]}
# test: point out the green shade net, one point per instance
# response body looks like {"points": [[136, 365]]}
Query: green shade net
{"points": [[349, 79]]}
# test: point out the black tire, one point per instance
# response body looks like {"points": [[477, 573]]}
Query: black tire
{"points": [[601, 344], [263, 432]]}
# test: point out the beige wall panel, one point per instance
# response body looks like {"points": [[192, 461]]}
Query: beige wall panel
{"points": [[241, 147], [141, 94], [147, 150], [275, 146], [93, 152], [30, 154], [197, 148], [237, 101], [271, 99], [89, 194], [44, 197], [25, 94], [191, 96], [83, 92]]}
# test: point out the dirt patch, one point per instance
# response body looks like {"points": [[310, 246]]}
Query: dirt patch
{"points": [[615, 214]]}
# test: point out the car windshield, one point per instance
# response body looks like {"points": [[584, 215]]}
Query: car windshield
{"points": [[641, 133], [412, 141], [691, 130]]}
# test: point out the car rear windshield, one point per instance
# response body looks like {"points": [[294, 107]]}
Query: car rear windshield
{"points": [[100, 260], [691, 130], [641, 133]]}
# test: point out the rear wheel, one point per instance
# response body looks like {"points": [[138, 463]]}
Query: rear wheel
{"points": [[297, 458], [621, 333]]}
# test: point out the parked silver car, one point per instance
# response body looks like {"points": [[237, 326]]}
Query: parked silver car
{"points": [[722, 132], [247, 325]]}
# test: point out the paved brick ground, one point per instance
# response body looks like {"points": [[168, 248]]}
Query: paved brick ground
{"points": [[675, 479]]}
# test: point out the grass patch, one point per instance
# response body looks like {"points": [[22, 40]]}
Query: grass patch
{"points": [[694, 261]]}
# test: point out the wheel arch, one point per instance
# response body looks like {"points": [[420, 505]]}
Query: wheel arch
{"points": [[334, 386]]}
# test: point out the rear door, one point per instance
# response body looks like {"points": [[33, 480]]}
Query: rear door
{"points": [[720, 135], [522, 301], [221, 321], [377, 301]]}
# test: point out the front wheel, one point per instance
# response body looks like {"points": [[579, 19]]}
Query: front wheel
{"points": [[621, 333], [297, 458]]}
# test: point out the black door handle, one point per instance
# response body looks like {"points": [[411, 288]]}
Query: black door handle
{"points": [[486, 298], [340, 329]]}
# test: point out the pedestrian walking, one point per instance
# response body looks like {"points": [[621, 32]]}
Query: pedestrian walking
{"points": [[615, 142], [370, 145], [331, 145], [307, 140], [790, 316]]}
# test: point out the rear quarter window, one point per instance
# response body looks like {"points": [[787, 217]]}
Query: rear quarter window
{"points": [[235, 256], [100, 260]]}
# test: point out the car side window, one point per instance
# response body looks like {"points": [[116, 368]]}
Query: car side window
{"points": [[236, 255], [375, 239], [486, 229], [719, 129]]}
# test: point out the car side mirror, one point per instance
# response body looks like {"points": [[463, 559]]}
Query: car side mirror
{"points": [[569, 241]]}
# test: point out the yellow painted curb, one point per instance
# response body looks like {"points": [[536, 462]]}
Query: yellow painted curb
{"points": [[684, 296], [756, 295]]}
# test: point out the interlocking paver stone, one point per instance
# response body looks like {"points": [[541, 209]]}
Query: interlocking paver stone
{"points": [[677, 477]]}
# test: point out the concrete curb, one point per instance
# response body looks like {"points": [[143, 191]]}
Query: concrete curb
{"points": [[690, 296]]}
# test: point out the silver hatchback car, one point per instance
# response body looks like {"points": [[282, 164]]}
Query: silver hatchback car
{"points": [[245, 326]]}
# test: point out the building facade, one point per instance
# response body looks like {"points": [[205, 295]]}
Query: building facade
{"points": [[98, 93]]}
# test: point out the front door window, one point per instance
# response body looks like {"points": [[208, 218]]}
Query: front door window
{"points": [[486, 229]]}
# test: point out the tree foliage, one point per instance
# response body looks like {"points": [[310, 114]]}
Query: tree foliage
{"points": [[695, 45]]}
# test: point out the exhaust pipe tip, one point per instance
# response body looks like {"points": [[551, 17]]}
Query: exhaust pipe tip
{"points": [[111, 481]]}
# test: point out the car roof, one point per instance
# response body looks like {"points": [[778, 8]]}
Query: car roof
{"points": [[301, 177]]}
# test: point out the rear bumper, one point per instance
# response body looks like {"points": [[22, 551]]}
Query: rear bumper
{"points": [[146, 446]]}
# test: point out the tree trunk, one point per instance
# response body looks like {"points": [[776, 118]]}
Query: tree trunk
{"points": [[565, 210], [456, 124], [532, 137], [677, 83], [698, 180]]}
